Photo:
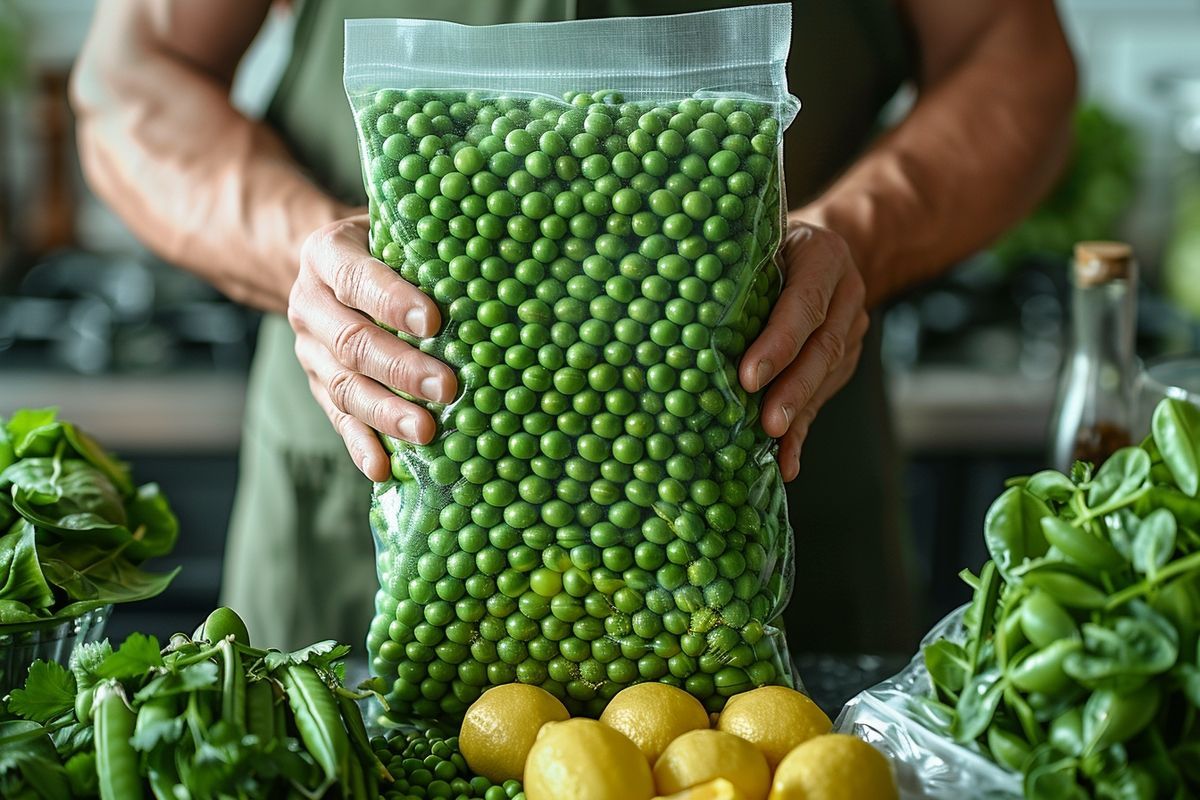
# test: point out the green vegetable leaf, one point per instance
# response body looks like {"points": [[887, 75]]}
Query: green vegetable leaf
{"points": [[1120, 476], [66, 488], [1176, 429], [49, 691], [1012, 529], [147, 737], [1155, 542], [1050, 485], [94, 577], [194, 677], [322, 653], [947, 664], [86, 659], [34, 431], [134, 658], [977, 705], [90, 451], [1189, 676], [7, 456], [81, 526], [21, 577], [1049, 777], [23, 740], [154, 525], [1122, 657]]}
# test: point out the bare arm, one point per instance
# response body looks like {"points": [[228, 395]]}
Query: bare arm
{"points": [[199, 183], [988, 134], [985, 140]]}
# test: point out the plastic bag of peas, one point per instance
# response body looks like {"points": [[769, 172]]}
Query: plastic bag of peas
{"points": [[601, 505]]}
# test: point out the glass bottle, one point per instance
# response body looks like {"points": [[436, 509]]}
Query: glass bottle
{"points": [[1094, 414]]}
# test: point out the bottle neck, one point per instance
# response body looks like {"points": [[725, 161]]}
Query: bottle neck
{"points": [[1105, 325]]}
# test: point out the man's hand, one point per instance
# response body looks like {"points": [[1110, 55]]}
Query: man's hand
{"points": [[353, 364], [812, 341]]}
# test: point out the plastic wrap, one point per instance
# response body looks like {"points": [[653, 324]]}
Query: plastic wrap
{"points": [[596, 206], [927, 761]]}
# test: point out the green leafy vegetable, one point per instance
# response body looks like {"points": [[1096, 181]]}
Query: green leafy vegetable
{"points": [[49, 691]]}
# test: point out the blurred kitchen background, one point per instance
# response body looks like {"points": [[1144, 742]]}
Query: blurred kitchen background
{"points": [[153, 362]]}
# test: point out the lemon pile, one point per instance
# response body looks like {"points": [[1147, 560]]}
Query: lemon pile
{"points": [[656, 742]]}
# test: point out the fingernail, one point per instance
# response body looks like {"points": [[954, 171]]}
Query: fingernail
{"points": [[415, 321], [407, 426], [431, 388], [765, 370]]}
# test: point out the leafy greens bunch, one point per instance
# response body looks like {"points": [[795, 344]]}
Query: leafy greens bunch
{"points": [[73, 527], [1081, 666], [208, 716]]}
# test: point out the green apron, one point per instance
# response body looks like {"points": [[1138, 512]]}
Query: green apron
{"points": [[300, 561]]}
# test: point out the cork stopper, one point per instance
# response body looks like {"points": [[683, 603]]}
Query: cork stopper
{"points": [[1098, 263]]}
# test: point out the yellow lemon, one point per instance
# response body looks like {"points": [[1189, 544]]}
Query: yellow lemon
{"points": [[834, 767], [700, 756], [652, 715], [581, 759], [501, 726], [775, 719], [719, 789]]}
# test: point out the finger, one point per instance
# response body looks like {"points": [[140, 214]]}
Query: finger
{"points": [[361, 346], [814, 269], [364, 448], [366, 400], [791, 444], [339, 254], [822, 353]]}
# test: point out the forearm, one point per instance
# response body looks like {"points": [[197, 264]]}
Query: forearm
{"points": [[203, 186], [974, 156]]}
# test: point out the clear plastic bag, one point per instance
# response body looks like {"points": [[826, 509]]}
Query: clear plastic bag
{"points": [[601, 505], [927, 761]]}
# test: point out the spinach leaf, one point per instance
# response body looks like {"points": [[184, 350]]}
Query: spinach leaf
{"points": [[21, 577], [81, 526], [94, 577], [1051, 777], [1176, 429], [1050, 485], [34, 432], [948, 665], [1012, 529], [1121, 658], [152, 522], [1120, 476], [89, 450]]}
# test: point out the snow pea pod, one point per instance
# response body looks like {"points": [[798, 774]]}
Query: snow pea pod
{"points": [[1111, 717], [233, 684], [1071, 591], [1044, 621], [260, 710], [317, 717], [116, 760], [1042, 670], [1080, 546]]}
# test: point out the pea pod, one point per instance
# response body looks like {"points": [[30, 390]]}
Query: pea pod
{"points": [[1083, 548], [260, 710], [1008, 749], [352, 717], [1111, 717], [233, 684], [1044, 621], [154, 712], [1071, 591], [116, 760], [1042, 670], [317, 718], [1066, 731], [84, 699]]}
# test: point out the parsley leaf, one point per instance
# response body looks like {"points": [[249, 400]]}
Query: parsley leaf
{"points": [[49, 691], [321, 654], [137, 656]]}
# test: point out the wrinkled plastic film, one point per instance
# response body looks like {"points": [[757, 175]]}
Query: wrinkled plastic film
{"points": [[600, 506], [928, 763]]}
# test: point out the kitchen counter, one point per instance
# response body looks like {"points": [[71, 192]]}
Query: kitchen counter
{"points": [[937, 409]]}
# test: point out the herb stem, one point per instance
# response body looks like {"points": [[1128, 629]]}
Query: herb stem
{"points": [[1183, 565]]}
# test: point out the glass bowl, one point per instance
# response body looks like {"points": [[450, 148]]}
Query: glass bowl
{"points": [[18, 650]]}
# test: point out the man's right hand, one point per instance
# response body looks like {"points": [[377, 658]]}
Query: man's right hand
{"points": [[351, 362]]}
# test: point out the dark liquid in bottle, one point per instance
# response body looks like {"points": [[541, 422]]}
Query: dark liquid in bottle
{"points": [[1095, 443]]}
